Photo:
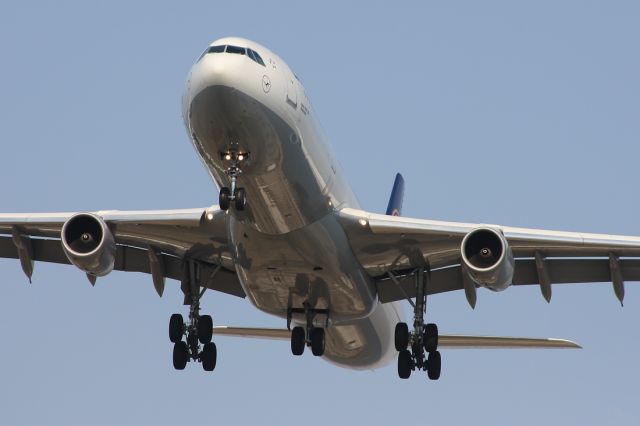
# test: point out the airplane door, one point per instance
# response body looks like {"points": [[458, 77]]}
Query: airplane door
{"points": [[292, 90]]}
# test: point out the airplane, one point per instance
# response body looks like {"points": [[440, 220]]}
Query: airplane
{"points": [[289, 235]]}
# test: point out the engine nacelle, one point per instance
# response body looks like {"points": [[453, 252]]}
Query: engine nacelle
{"points": [[488, 259], [89, 244]]}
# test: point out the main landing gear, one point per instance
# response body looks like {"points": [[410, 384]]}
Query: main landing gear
{"points": [[310, 335], [198, 330], [234, 160], [418, 350]]}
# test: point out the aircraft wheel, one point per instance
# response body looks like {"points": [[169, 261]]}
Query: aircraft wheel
{"points": [[240, 199], [225, 199], [404, 364], [297, 341], [401, 336], [180, 355], [434, 365], [209, 356], [317, 341], [430, 338], [205, 329], [176, 328]]}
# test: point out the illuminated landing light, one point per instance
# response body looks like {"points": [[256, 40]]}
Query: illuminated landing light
{"points": [[210, 216], [227, 157], [240, 157], [362, 222]]}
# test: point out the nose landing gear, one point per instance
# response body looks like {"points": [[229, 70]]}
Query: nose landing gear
{"points": [[423, 340], [234, 159]]}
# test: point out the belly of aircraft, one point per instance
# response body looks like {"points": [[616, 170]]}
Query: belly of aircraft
{"points": [[314, 265]]}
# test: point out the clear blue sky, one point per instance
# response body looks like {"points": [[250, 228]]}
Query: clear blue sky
{"points": [[518, 113]]}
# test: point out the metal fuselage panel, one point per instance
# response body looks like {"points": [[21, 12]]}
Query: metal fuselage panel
{"points": [[287, 245]]}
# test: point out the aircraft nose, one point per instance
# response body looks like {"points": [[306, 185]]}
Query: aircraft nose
{"points": [[209, 71], [236, 71], [220, 70]]}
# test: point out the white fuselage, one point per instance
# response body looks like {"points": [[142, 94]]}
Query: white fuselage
{"points": [[287, 246]]}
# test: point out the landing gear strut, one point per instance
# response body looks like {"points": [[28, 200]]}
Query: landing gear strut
{"points": [[234, 160], [197, 330], [423, 340], [310, 334]]}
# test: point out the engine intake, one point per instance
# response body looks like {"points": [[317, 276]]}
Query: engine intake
{"points": [[89, 244], [487, 258]]}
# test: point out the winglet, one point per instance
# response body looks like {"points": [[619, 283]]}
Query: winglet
{"points": [[394, 208]]}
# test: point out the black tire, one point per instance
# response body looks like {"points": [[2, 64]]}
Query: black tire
{"points": [[317, 341], [297, 341], [241, 199], [401, 336], [176, 328], [434, 365], [430, 338], [404, 364], [205, 329], [225, 199], [180, 355], [209, 356]]}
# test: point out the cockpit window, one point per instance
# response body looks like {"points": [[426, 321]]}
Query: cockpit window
{"points": [[212, 49], [234, 49], [237, 50], [254, 55]]}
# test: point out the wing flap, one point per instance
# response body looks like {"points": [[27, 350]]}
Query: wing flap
{"points": [[561, 271]]}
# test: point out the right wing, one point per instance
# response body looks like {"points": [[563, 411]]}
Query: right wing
{"points": [[160, 238], [388, 245]]}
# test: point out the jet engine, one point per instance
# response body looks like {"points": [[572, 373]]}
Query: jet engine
{"points": [[488, 259], [89, 244]]}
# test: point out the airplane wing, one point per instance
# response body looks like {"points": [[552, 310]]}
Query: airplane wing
{"points": [[155, 242], [389, 247], [450, 341]]}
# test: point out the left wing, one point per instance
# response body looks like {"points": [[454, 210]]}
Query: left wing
{"points": [[387, 245], [156, 242]]}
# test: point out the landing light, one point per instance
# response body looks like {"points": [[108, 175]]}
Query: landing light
{"points": [[362, 222], [240, 157], [210, 216], [227, 157]]}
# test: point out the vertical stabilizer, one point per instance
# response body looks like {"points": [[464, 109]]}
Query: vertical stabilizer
{"points": [[394, 208]]}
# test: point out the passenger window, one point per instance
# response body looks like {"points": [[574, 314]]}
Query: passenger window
{"points": [[216, 49], [236, 49]]}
